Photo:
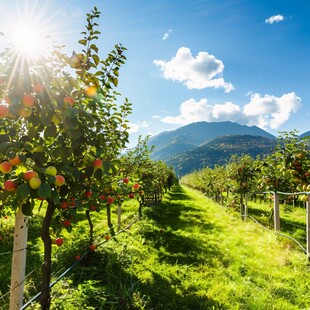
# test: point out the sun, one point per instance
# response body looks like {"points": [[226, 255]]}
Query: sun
{"points": [[28, 41], [29, 29]]}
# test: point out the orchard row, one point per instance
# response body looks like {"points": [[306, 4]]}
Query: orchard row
{"points": [[287, 169]]}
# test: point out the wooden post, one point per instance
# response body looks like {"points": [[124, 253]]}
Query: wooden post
{"points": [[18, 261], [276, 211], [246, 207], [308, 227], [119, 215]]}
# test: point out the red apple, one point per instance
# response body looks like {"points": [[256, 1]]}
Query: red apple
{"points": [[102, 197], [59, 241], [4, 111], [5, 167], [24, 111], [64, 205], [66, 223], [126, 180], [10, 185], [110, 200], [28, 175], [97, 163], [136, 186], [93, 208], [92, 247], [107, 237], [131, 195], [38, 88], [88, 193], [15, 160], [69, 100], [59, 180], [28, 100]]}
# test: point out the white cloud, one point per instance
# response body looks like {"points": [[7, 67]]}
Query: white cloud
{"points": [[270, 111], [274, 19], [135, 127], [202, 71], [196, 111], [166, 34], [267, 112]]}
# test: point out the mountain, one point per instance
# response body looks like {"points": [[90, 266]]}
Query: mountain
{"points": [[219, 151], [305, 134], [171, 143]]}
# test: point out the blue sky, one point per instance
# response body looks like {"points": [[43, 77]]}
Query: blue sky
{"points": [[245, 61]]}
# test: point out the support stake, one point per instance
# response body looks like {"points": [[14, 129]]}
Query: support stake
{"points": [[18, 261], [276, 209], [308, 227]]}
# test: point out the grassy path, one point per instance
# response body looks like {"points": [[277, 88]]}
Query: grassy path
{"points": [[189, 253]]}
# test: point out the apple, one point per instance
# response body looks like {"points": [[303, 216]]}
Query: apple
{"points": [[59, 241], [97, 163], [304, 198], [131, 195], [136, 186], [77, 257], [92, 247], [5, 167], [38, 88], [4, 111], [10, 185], [93, 208], [64, 205], [28, 100], [110, 200], [15, 161], [35, 183], [69, 100], [59, 180], [107, 237], [88, 193], [126, 180], [51, 170], [28, 175], [66, 223], [102, 197], [24, 111]]}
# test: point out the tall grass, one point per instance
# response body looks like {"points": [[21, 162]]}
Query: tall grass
{"points": [[186, 253]]}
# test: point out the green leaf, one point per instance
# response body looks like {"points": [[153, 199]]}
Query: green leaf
{"points": [[72, 112], [68, 228], [22, 192], [89, 171], [98, 174], [96, 59], [44, 191], [94, 47], [83, 42], [27, 208], [50, 131]]}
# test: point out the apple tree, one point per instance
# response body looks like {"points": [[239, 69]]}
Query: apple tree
{"points": [[61, 133]]}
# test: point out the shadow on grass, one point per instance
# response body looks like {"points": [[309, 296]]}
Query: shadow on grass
{"points": [[123, 290]]}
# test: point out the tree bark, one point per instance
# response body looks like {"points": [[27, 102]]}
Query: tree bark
{"points": [[45, 299]]}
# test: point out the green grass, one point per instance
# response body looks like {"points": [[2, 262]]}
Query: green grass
{"points": [[185, 253]]}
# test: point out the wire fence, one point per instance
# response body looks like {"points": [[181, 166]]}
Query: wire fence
{"points": [[62, 272]]}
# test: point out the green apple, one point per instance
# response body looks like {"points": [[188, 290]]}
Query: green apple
{"points": [[51, 170]]}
